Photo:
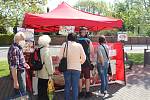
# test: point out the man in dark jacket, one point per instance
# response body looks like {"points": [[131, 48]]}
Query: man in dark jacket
{"points": [[85, 67]]}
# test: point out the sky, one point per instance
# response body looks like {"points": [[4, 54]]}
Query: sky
{"points": [[54, 3]]}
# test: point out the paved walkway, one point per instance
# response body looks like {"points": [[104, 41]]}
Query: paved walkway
{"points": [[137, 87]]}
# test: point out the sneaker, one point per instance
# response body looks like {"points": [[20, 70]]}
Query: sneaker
{"points": [[88, 94], [106, 95], [100, 94], [81, 94], [105, 92]]}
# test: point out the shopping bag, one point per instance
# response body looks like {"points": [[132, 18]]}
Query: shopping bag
{"points": [[50, 89]]}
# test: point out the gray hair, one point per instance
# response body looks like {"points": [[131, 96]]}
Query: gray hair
{"points": [[19, 35], [44, 40]]}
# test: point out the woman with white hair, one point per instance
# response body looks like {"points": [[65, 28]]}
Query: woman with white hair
{"points": [[46, 72]]}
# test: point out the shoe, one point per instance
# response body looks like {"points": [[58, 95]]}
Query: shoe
{"points": [[106, 95], [130, 68], [81, 94], [100, 94], [88, 94], [105, 92]]}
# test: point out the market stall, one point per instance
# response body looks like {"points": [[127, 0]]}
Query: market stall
{"points": [[65, 15]]}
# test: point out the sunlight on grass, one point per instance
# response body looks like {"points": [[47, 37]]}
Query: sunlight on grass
{"points": [[4, 68], [137, 58]]}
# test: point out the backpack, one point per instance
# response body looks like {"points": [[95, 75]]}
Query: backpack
{"points": [[36, 60]]}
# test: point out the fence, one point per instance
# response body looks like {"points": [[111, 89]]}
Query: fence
{"points": [[58, 40]]}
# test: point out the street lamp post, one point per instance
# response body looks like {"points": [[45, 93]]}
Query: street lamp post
{"points": [[15, 27]]}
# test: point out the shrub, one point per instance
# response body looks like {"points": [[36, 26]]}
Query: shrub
{"points": [[3, 30], [6, 39]]}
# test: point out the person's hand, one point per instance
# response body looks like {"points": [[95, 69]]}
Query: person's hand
{"points": [[16, 85], [26, 66], [51, 77]]}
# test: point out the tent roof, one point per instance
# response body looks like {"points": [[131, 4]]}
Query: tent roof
{"points": [[65, 15]]}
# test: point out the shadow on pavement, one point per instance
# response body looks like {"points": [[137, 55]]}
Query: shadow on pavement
{"points": [[113, 88], [138, 76], [6, 87]]}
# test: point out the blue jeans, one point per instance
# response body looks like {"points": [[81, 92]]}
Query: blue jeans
{"points": [[102, 72], [21, 75], [71, 80]]}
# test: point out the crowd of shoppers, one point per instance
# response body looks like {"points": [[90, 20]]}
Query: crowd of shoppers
{"points": [[79, 53]]}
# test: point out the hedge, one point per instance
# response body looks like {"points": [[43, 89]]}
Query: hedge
{"points": [[6, 39]]}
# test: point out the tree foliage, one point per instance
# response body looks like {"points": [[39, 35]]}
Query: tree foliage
{"points": [[95, 7], [135, 14], [12, 11]]}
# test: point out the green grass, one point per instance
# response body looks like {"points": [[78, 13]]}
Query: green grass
{"points": [[137, 58], [4, 68]]}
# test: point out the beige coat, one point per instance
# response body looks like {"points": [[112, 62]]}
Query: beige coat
{"points": [[48, 68], [75, 55]]}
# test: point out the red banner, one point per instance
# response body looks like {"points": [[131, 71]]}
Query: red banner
{"points": [[117, 59]]}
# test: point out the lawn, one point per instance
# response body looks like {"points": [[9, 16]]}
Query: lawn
{"points": [[4, 69], [137, 58]]}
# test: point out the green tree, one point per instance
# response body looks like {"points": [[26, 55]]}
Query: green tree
{"points": [[12, 11], [95, 7], [135, 14]]}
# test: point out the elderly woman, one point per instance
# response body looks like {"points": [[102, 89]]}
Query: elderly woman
{"points": [[46, 72], [75, 57]]}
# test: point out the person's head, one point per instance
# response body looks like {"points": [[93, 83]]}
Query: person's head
{"points": [[44, 41], [83, 32], [19, 38], [102, 39], [72, 37]]}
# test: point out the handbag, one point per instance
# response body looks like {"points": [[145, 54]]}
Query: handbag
{"points": [[109, 65], [63, 61]]}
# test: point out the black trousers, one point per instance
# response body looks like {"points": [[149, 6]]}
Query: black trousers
{"points": [[42, 89]]}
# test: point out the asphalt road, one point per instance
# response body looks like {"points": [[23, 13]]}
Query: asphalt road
{"points": [[127, 48]]}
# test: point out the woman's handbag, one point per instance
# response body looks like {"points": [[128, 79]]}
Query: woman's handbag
{"points": [[109, 70], [50, 89], [63, 61]]}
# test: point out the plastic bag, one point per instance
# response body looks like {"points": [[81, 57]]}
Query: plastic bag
{"points": [[50, 89]]}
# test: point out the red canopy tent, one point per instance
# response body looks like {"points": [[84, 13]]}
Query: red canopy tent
{"points": [[65, 15]]}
